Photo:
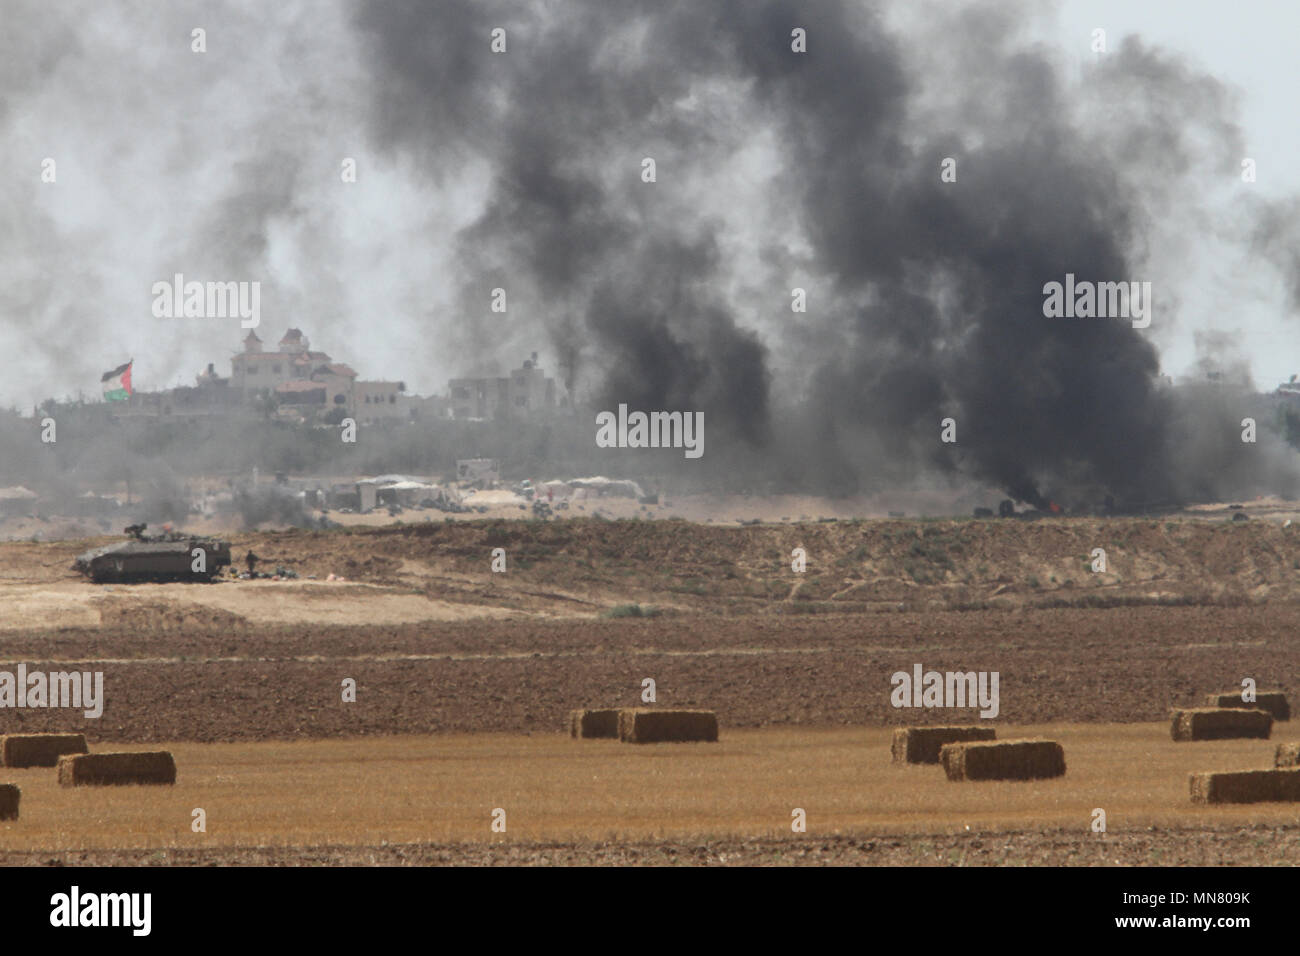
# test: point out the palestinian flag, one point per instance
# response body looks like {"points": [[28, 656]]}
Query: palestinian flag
{"points": [[117, 383]]}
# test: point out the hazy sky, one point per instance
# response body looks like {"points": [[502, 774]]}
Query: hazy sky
{"points": [[1249, 46], [226, 165]]}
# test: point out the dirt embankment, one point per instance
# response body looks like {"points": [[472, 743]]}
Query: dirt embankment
{"points": [[582, 568], [851, 565]]}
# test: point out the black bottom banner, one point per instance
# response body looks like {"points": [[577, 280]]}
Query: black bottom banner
{"points": [[332, 905]]}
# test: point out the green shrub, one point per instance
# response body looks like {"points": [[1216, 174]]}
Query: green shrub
{"points": [[633, 610]]}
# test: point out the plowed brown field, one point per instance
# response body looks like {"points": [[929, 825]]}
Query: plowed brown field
{"points": [[1117, 665]]}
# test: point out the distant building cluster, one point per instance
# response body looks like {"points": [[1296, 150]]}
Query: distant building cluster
{"points": [[312, 383], [295, 382]]}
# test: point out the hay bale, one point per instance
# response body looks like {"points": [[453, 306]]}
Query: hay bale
{"points": [[1247, 786], [9, 794], [1288, 755], [39, 750], [1273, 701], [639, 725], [117, 768], [594, 723], [1003, 760], [922, 744], [1220, 723]]}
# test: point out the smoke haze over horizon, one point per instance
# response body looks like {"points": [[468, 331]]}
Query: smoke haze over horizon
{"points": [[775, 170]]}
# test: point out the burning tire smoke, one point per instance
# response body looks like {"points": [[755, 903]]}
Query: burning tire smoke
{"points": [[926, 297]]}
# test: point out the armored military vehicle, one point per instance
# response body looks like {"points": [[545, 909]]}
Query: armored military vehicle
{"points": [[169, 556]]}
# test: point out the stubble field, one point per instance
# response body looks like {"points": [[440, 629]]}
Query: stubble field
{"points": [[421, 799]]}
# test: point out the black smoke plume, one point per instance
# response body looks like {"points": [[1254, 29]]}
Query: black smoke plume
{"points": [[928, 296]]}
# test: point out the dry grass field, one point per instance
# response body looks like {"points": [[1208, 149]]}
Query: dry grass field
{"points": [[441, 790]]}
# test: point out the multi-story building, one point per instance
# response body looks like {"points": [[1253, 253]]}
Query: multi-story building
{"points": [[526, 391], [309, 381], [479, 397], [257, 372], [380, 401], [530, 389]]}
